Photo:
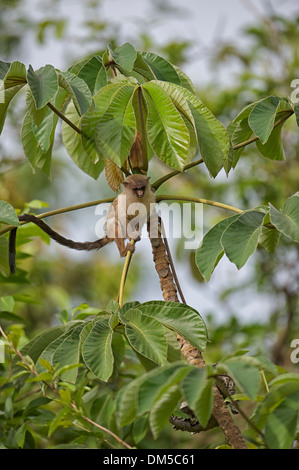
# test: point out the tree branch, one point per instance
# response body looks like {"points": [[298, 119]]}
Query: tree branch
{"points": [[64, 118], [192, 354]]}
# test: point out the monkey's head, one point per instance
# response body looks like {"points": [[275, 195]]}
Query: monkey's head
{"points": [[137, 184]]}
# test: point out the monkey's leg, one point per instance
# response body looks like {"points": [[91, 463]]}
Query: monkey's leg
{"points": [[120, 241]]}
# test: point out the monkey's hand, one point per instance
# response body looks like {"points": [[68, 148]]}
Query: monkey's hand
{"points": [[130, 247]]}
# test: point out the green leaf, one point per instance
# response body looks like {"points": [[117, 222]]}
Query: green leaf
{"points": [[269, 239], [178, 317], [141, 70], [146, 335], [281, 425], [14, 78], [97, 351], [8, 214], [68, 354], [7, 303], [177, 98], [42, 377], [35, 404], [262, 117], [9, 316], [37, 345], [43, 84], [211, 251], [161, 68], [287, 220], [43, 132], [75, 149], [127, 401], [94, 74], [4, 67], [198, 392], [77, 89], [124, 56], [244, 371], [211, 135], [32, 149], [90, 120], [273, 148], [4, 268], [115, 131], [166, 130], [241, 237], [139, 429], [162, 409]]}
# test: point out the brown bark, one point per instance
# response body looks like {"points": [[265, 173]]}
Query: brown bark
{"points": [[193, 355]]}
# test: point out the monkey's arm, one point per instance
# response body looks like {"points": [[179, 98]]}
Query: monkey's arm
{"points": [[88, 246]]}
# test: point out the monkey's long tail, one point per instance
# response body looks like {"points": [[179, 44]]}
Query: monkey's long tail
{"points": [[87, 246]]}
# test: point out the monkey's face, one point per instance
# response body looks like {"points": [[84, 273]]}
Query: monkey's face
{"points": [[138, 184], [139, 191]]}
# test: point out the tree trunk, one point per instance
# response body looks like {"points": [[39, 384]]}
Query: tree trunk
{"points": [[193, 355]]}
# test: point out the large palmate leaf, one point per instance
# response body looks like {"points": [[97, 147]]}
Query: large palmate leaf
{"points": [[166, 130], [146, 335], [161, 68], [94, 74], [262, 117], [90, 120], [273, 148], [77, 89], [73, 144], [198, 392], [13, 76], [32, 149], [211, 135], [8, 214], [281, 425], [245, 372], [287, 220], [124, 56], [139, 396], [211, 250], [178, 317], [141, 70], [43, 84], [241, 237], [115, 131], [68, 353], [97, 351]]}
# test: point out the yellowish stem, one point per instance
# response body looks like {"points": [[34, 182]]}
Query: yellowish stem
{"points": [[124, 276]]}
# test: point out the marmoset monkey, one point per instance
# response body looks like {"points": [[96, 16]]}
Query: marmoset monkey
{"points": [[121, 221]]}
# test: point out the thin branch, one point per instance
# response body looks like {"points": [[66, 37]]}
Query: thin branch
{"points": [[199, 200], [61, 211], [159, 198], [64, 118], [164, 178]]}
